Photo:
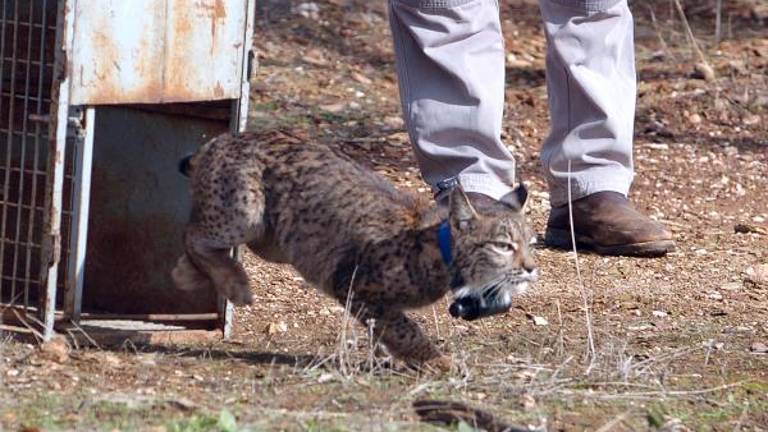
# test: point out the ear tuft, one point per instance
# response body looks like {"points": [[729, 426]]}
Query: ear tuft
{"points": [[517, 198]]}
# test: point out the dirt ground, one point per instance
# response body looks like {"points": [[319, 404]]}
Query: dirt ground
{"points": [[677, 343]]}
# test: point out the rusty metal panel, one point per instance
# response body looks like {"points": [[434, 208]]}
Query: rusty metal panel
{"points": [[157, 51]]}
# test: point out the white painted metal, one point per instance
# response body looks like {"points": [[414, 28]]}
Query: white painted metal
{"points": [[239, 124], [80, 206], [56, 157]]}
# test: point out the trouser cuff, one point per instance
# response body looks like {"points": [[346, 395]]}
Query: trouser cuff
{"points": [[589, 182], [586, 6]]}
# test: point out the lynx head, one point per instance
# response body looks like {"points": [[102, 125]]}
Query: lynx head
{"points": [[492, 254]]}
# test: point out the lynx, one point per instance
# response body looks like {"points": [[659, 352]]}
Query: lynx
{"points": [[351, 234]]}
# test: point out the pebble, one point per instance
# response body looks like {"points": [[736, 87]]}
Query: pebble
{"points": [[274, 328], [757, 274], [715, 296], [694, 119], [703, 71]]}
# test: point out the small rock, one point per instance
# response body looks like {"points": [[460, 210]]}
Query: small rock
{"points": [[694, 119], [326, 377], [703, 71], [751, 119], [275, 328], [731, 286], [657, 146], [514, 62], [759, 348], [394, 122], [715, 296], [308, 10], [539, 321], [757, 274], [659, 314]]}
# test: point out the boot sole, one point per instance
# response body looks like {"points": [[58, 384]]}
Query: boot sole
{"points": [[561, 239]]}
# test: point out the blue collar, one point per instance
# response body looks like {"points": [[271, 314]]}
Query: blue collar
{"points": [[446, 242]]}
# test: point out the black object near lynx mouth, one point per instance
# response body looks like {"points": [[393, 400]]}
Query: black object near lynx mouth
{"points": [[472, 308]]}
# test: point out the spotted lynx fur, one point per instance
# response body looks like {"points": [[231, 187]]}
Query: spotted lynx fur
{"points": [[348, 232]]}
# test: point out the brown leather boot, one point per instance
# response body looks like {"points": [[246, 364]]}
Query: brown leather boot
{"points": [[607, 223]]}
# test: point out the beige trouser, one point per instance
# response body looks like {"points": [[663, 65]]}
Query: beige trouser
{"points": [[450, 62]]}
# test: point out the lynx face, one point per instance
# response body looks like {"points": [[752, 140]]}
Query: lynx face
{"points": [[493, 255]]}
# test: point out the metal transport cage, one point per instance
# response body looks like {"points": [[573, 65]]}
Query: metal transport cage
{"points": [[99, 99]]}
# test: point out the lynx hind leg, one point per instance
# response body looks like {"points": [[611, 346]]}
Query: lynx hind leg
{"points": [[404, 339], [187, 277], [226, 274]]}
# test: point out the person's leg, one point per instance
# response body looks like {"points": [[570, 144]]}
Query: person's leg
{"points": [[592, 85], [450, 63]]}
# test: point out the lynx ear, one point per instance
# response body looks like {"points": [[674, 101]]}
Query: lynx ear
{"points": [[517, 198], [461, 211]]}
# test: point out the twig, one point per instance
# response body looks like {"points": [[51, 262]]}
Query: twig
{"points": [[39, 336], [560, 332], [344, 324], [87, 336], [689, 32], [591, 352], [437, 323]]}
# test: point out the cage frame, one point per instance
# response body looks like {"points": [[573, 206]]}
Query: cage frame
{"points": [[70, 140]]}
